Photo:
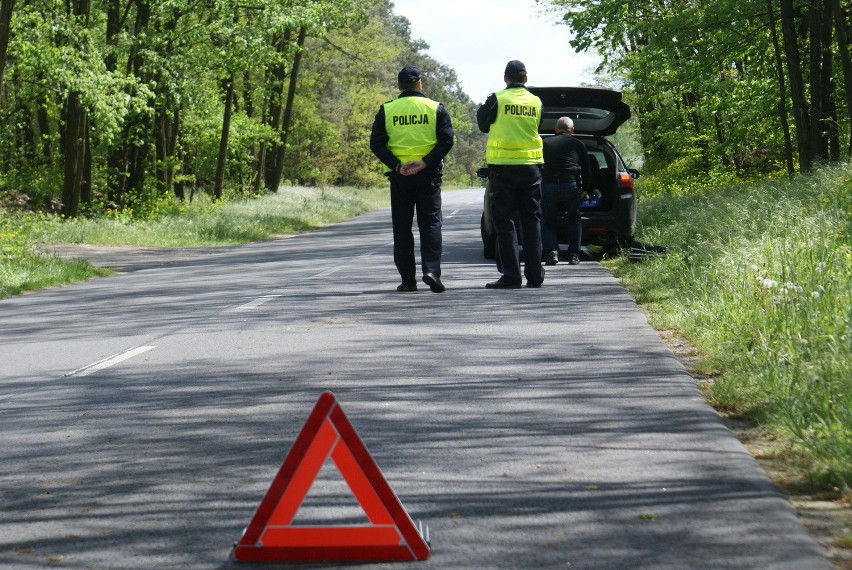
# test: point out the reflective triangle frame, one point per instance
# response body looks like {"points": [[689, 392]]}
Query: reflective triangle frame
{"points": [[391, 534]]}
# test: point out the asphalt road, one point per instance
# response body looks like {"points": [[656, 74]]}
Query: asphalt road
{"points": [[145, 415]]}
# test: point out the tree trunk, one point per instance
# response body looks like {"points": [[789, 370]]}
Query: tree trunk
{"points": [[136, 167], [648, 131], [819, 30], [6, 7], [277, 75], [248, 87], [126, 163], [25, 135], [223, 141], [113, 28], [117, 158], [180, 184], [87, 192], [44, 133], [167, 119], [168, 124], [173, 149], [76, 136], [75, 155], [797, 85], [719, 124], [841, 27], [288, 112], [782, 89], [260, 168]]}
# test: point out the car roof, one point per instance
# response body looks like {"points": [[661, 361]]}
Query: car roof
{"points": [[594, 110]]}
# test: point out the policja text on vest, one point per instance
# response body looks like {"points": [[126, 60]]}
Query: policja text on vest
{"points": [[411, 119], [522, 110]]}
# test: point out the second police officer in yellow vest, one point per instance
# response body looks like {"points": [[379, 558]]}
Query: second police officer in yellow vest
{"points": [[511, 118], [411, 135]]}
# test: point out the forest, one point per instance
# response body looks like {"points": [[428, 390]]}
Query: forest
{"points": [[114, 104], [111, 104], [727, 87]]}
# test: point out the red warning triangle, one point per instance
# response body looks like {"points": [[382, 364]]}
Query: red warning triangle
{"points": [[391, 534]]}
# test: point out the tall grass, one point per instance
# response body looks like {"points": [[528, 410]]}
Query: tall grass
{"points": [[170, 223], [759, 279], [166, 222], [23, 269]]}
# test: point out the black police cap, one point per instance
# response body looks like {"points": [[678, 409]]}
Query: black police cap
{"points": [[409, 74], [515, 69]]}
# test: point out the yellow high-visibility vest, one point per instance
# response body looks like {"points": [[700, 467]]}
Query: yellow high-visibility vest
{"points": [[410, 123], [513, 137]]}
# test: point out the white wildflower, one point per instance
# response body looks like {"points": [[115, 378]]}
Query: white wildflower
{"points": [[769, 283], [815, 295]]}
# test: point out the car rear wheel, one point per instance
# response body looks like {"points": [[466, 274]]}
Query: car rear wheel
{"points": [[489, 242]]}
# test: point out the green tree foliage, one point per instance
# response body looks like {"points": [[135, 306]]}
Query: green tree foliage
{"points": [[354, 69], [115, 104], [704, 77]]}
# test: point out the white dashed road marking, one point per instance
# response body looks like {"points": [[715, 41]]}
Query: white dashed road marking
{"points": [[256, 303], [110, 361]]}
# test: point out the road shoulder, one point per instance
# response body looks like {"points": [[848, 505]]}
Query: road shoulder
{"points": [[828, 521]]}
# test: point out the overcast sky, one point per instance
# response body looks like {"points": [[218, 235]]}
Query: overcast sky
{"points": [[478, 37]]}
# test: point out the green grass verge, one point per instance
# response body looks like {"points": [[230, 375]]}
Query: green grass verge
{"points": [[758, 279], [167, 223], [34, 271]]}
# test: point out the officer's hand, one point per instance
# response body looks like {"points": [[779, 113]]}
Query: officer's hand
{"points": [[412, 167]]}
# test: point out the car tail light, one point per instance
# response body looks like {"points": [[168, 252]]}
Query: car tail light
{"points": [[625, 181]]}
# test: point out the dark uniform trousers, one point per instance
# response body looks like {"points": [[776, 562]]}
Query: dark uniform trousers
{"points": [[561, 195], [420, 192], [516, 190]]}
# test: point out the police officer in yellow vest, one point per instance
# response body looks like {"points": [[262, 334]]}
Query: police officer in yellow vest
{"points": [[411, 135], [511, 118]]}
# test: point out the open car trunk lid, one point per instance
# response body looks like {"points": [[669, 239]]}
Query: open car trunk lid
{"points": [[595, 110]]}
